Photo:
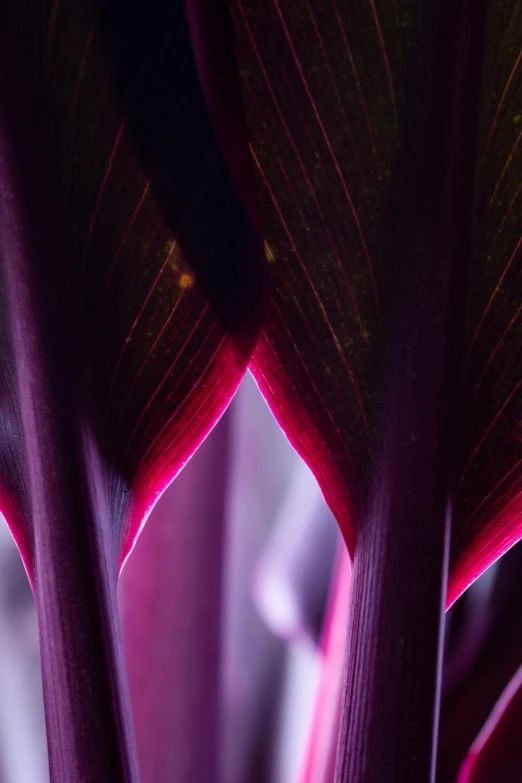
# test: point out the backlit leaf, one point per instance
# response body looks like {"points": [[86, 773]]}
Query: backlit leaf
{"points": [[328, 92]]}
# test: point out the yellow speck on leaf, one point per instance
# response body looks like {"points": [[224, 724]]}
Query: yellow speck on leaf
{"points": [[517, 118], [185, 280], [269, 254]]}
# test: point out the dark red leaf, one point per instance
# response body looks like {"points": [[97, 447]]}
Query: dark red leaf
{"points": [[162, 258], [323, 107], [488, 504], [321, 112]]}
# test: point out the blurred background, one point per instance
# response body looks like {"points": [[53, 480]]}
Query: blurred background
{"points": [[233, 608]]}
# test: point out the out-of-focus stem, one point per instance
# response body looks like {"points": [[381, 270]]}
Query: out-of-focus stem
{"points": [[72, 557], [319, 763], [171, 596], [294, 572]]}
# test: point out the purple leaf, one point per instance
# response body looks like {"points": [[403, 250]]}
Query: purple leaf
{"points": [[487, 517]]}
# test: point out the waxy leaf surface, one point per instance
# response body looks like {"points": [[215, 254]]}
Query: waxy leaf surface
{"points": [[330, 110], [487, 518], [162, 261]]}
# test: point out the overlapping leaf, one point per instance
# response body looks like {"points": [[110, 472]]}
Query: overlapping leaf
{"points": [[326, 89], [488, 510], [164, 263], [322, 88]]}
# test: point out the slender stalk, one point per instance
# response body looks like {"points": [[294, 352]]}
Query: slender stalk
{"points": [[319, 762], [392, 676], [171, 597], [72, 554]]}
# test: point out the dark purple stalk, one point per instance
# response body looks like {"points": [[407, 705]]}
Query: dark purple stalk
{"points": [[392, 679], [72, 558]]}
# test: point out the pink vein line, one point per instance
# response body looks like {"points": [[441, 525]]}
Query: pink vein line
{"points": [[303, 169], [502, 512], [176, 385], [493, 465], [330, 149], [125, 237], [358, 85], [131, 223], [319, 301], [203, 405], [152, 349], [493, 295], [492, 522], [85, 53], [102, 188], [506, 367], [504, 218], [485, 500], [386, 63], [502, 99], [483, 438], [336, 90], [176, 411], [144, 305], [495, 350], [156, 392], [310, 378], [144, 255], [500, 468], [315, 199], [299, 354], [508, 161]]}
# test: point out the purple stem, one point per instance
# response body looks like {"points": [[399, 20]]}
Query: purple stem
{"points": [[319, 763], [393, 657], [171, 596], [262, 462], [73, 558]]}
